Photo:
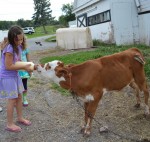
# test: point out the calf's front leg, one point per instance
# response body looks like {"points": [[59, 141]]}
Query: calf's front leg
{"points": [[90, 109]]}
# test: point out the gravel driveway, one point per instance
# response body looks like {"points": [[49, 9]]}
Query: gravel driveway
{"points": [[31, 43]]}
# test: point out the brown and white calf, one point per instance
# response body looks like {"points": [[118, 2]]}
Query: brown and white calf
{"points": [[92, 78]]}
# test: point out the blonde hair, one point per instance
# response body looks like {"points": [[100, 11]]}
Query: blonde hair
{"points": [[24, 43], [4, 43]]}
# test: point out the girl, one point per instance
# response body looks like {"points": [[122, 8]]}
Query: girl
{"points": [[24, 74], [11, 86], [3, 43]]}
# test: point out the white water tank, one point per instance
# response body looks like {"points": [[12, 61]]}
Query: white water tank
{"points": [[74, 38]]}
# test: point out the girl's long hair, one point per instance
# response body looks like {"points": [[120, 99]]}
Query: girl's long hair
{"points": [[12, 35], [24, 43]]}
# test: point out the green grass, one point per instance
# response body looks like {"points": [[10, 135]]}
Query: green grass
{"points": [[59, 89], [79, 57], [51, 39]]}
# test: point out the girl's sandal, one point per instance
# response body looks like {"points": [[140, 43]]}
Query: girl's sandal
{"points": [[25, 122], [13, 130]]}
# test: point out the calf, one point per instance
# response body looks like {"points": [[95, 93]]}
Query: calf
{"points": [[92, 78]]}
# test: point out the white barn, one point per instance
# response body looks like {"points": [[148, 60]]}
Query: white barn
{"points": [[115, 21]]}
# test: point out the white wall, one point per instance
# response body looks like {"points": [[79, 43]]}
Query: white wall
{"points": [[144, 5], [144, 21], [72, 24], [125, 22], [81, 2], [144, 28], [103, 32]]}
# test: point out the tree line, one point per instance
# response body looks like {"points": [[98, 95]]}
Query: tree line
{"points": [[42, 16]]}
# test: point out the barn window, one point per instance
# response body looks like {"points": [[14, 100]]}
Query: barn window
{"points": [[82, 20], [99, 18]]}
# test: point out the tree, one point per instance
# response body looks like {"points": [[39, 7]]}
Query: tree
{"points": [[25, 23], [42, 15], [68, 15], [5, 25]]}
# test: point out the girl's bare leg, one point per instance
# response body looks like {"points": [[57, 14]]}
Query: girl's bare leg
{"points": [[19, 111], [10, 110]]}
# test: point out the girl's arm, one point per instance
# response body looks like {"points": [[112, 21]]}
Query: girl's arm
{"points": [[28, 60], [10, 66]]}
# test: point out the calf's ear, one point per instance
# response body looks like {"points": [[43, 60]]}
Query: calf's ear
{"points": [[61, 72], [70, 65], [42, 65], [60, 64], [47, 67]]}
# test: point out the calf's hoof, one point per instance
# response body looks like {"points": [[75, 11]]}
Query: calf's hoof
{"points": [[147, 117], [85, 131], [137, 106], [146, 114]]}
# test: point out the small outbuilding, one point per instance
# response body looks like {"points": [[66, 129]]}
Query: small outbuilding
{"points": [[74, 38]]}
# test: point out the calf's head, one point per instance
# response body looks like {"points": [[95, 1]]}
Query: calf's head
{"points": [[55, 71]]}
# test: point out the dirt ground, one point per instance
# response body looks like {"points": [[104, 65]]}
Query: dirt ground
{"points": [[57, 118]]}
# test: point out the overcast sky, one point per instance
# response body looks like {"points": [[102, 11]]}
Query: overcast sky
{"points": [[12, 10]]}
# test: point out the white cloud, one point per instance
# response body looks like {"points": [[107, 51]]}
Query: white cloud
{"points": [[12, 10]]}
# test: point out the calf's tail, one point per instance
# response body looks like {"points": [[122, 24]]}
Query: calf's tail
{"points": [[139, 58]]}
